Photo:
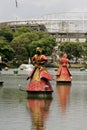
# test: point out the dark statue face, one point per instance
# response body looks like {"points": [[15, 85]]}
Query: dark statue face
{"points": [[38, 52]]}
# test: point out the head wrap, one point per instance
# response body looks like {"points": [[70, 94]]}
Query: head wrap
{"points": [[39, 49]]}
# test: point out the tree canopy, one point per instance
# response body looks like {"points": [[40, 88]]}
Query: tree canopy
{"points": [[6, 51], [71, 48], [21, 44], [6, 33], [26, 41]]}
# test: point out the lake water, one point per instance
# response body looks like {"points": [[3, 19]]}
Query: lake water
{"points": [[66, 111]]}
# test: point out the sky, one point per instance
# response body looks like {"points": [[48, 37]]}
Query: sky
{"points": [[11, 10]]}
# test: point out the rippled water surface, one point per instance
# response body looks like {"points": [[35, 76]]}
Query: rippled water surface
{"points": [[66, 111]]}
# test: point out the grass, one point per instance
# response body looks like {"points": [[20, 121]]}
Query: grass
{"points": [[77, 65], [72, 65]]}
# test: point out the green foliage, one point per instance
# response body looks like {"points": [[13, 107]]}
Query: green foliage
{"points": [[31, 40], [5, 50], [42, 34], [71, 48], [46, 43], [18, 46], [21, 30], [84, 53], [6, 33], [24, 43]]}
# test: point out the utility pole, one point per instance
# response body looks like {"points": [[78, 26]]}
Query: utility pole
{"points": [[16, 3]]}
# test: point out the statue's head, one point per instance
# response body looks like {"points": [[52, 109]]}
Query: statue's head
{"points": [[65, 55], [38, 50]]}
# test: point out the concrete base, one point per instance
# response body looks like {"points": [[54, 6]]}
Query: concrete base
{"points": [[63, 82], [39, 95], [1, 83]]}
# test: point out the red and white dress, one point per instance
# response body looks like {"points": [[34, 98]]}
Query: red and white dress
{"points": [[63, 73], [39, 77]]}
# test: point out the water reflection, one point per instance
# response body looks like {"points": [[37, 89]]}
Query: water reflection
{"points": [[12, 94], [67, 110], [39, 110], [63, 92]]}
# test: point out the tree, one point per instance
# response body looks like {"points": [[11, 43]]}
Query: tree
{"points": [[6, 33], [21, 30], [5, 50], [21, 43], [71, 48], [46, 43], [84, 53], [31, 40]]}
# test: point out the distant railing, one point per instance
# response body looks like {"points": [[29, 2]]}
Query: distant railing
{"points": [[62, 22]]}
